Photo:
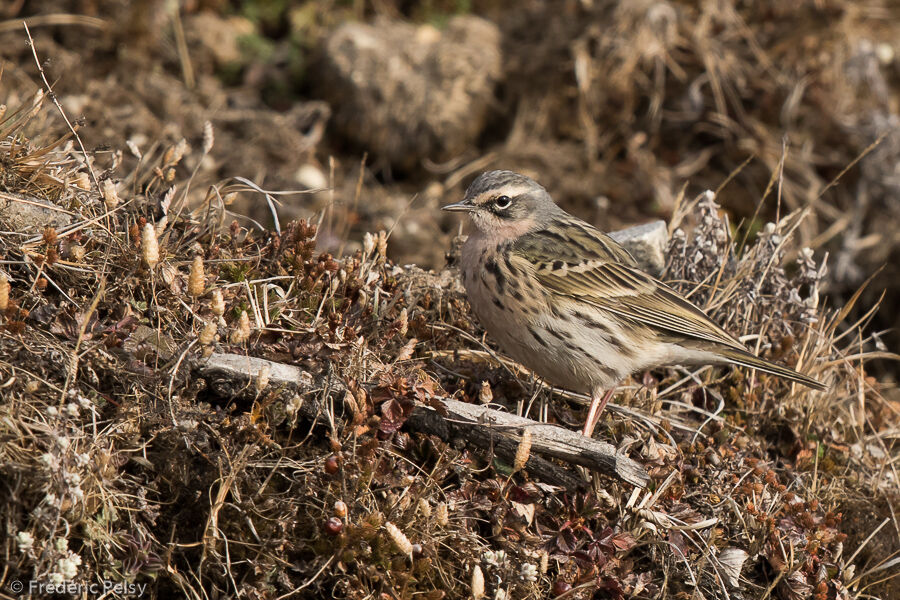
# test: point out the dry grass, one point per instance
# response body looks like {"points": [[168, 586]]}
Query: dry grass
{"points": [[119, 464]]}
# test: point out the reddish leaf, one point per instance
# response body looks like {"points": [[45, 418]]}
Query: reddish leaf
{"points": [[677, 540], [394, 414], [623, 541], [565, 540]]}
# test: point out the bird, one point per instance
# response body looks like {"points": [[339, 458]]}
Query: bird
{"points": [[567, 301]]}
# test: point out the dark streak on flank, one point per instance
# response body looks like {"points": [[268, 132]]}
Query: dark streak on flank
{"points": [[537, 337], [499, 304], [493, 268], [513, 273], [560, 335], [622, 347], [592, 323], [558, 313], [610, 373]]}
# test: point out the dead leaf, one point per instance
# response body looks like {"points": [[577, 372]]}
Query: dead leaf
{"points": [[732, 561], [526, 511]]}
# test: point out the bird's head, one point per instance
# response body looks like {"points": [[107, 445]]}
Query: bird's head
{"points": [[505, 204]]}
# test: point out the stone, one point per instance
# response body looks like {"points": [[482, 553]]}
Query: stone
{"points": [[27, 214], [647, 244], [405, 93]]}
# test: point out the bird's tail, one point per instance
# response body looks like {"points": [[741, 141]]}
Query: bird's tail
{"points": [[742, 357]]}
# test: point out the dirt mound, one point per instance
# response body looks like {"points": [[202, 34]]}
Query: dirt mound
{"points": [[407, 93]]}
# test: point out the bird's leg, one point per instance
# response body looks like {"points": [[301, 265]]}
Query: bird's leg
{"points": [[598, 403]]}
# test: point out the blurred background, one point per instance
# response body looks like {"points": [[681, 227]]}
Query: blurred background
{"points": [[395, 105]]}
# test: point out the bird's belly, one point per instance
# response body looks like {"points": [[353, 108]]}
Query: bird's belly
{"points": [[547, 339]]}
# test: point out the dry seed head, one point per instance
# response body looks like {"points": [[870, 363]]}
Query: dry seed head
{"points": [[36, 103], [545, 559], [175, 153], [404, 322], [399, 538], [4, 292], [133, 148], [241, 331], [262, 378], [382, 244], [485, 395], [441, 514], [77, 252], [196, 278], [217, 303], [208, 333], [180, 149], [49, 236], [109, 193], [209, 137], [82, 180], [368, 244], [424, 508], [477, 583], [149, 245], [523, 451], [340, 509]]}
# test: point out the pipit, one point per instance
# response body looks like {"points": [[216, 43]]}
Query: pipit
{"points": [[571, 304]]}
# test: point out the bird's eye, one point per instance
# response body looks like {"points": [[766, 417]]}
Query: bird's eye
{"points": [[502, 202]]}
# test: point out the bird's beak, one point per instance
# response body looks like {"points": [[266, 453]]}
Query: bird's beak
{"points": [[464, 206]]}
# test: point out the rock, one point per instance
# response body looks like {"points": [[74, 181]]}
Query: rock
{"points": [[27, 214], [405, 93], [647, 244]]}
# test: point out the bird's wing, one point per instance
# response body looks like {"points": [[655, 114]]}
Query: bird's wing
{"points": [[593, 268]]}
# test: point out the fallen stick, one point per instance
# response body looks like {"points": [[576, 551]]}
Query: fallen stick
{"points": [[232, 375]]}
